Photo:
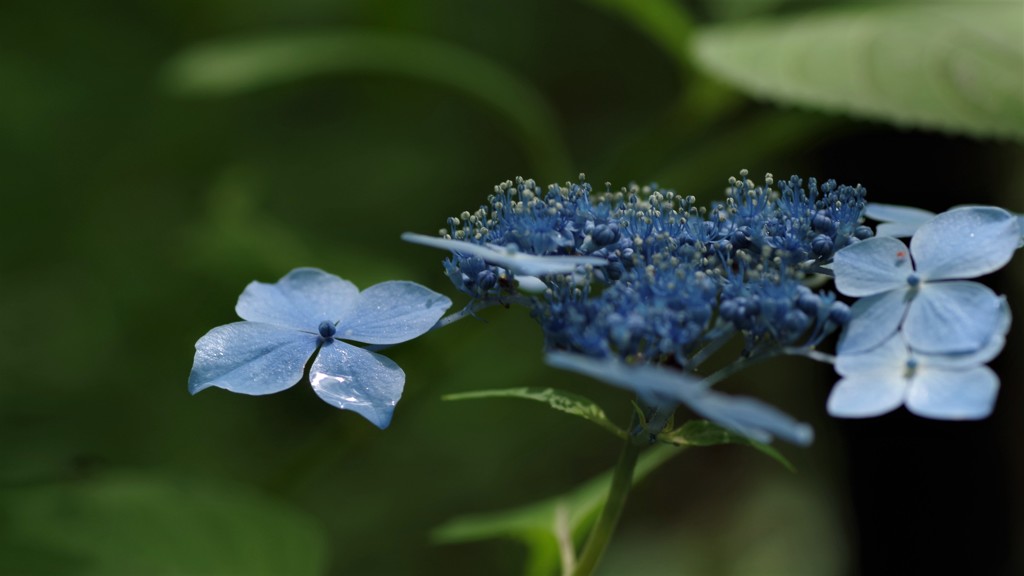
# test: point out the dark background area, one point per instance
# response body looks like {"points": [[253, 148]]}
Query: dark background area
{"points": [[134, 212]]}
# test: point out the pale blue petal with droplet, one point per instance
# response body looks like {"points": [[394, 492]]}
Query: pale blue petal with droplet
{"points": [[301, 299], [354, 379], [250, 358], [655, 385], [965, 243], [872, 266], [872, 321], [867, 395], [516, 262], [953, 394], [888, 357], [392, 312], [952, 317]]}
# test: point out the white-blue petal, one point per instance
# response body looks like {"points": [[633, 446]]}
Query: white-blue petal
{"points": [[872, 321], [953, 394], [303, 299], [872, 266], [516, 262], [250, 358], [392, 312], [752, 418], [984, 355], [952, 317], [354, 379], [898, 221], [656, 385], [965, 243], [866, 396], [889, 357], [652, 384], [897, 229]]}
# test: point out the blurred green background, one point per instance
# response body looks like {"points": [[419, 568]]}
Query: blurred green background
{"points": [[158, 156]]}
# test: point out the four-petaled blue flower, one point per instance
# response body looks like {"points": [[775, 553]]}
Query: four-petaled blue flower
{"points": [[943, 386], [309, 312], [917, 287]]}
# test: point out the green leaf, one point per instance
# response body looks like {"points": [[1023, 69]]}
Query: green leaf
{"points": [[134, 524], [234, 67], [559, 400], [536, 525], [704, 433], [957, 67]]}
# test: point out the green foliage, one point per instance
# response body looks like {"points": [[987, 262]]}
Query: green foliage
{"points": [[229, 68], [954, 67], [541, 525], [135, 524], [562, 401], [704, 433]]}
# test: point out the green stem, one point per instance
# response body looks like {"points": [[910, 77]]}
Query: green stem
{"points": [[622, 481]]}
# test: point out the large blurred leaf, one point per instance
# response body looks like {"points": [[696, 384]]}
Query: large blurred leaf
{"points": [[128, 524], [537, 524], [232, 67], [955, 67]]}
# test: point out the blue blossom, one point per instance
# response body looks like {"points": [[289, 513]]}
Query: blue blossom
{"points": [[943, 386], [307, 314], [663, 389], [918, 287]]}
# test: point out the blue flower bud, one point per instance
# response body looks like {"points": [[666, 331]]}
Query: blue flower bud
{"points": [[327, 330], [822, 246]]}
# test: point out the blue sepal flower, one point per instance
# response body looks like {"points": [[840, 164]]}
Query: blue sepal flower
{"points": [[940, 386], [914, 288], [309, 312], [664, 389]]}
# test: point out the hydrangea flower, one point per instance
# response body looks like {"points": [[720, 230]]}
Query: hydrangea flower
{"points": [[307, 314], [945, 386], [919, 287], [664, 389]]}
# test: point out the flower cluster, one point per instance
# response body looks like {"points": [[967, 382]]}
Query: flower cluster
{"points": [[645, 276]]}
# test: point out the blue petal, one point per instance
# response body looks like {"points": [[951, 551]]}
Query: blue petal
{"points": [[872, 266], [900, 221], [753, 418], [655, 385], [516, 262], [965, 243], [250, 358], [303, 299], [866, 396], [949, 317], [890, 357], [354, 379], [984, 355], [392, 312], [953, 394], [896, 229], [872, 320]]}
